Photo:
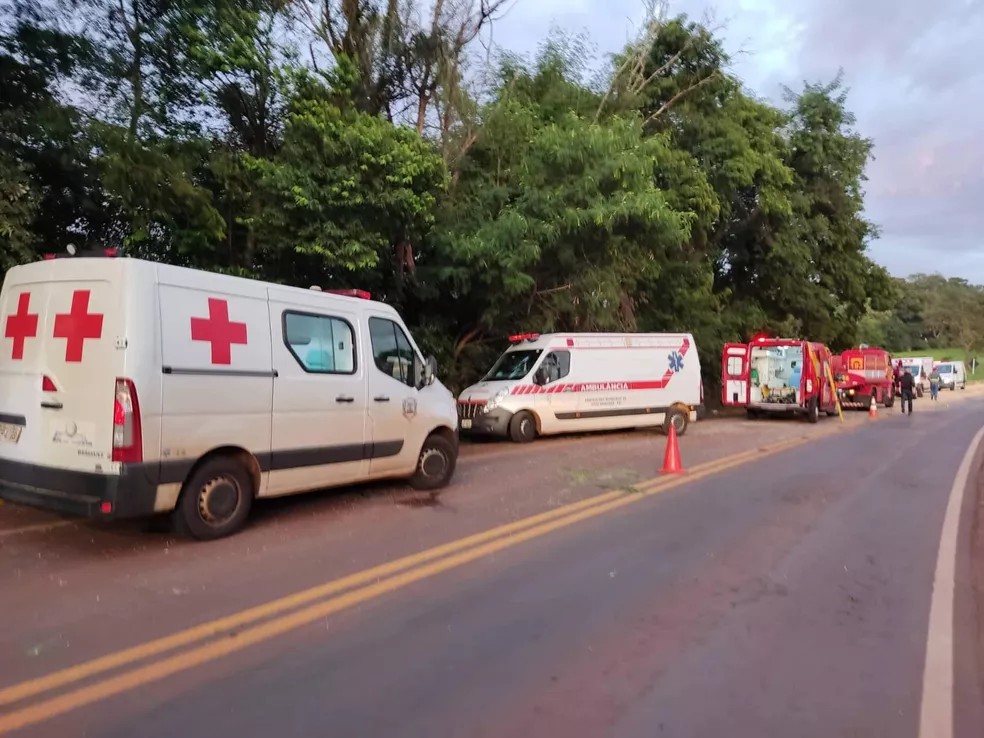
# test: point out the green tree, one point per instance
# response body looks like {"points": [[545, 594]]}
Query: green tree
{"points": [[347, 194]]}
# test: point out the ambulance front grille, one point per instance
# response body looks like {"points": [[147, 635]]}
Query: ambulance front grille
{"points": [[469, 410]]}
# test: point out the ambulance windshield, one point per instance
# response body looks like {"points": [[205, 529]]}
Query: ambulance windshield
{"points": [[513, 365]]}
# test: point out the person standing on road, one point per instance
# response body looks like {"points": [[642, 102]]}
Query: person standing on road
{"points": [[907, 383], [934, 385]]}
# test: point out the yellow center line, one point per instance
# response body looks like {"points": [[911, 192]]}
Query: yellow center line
{"points": [[476, 546]]}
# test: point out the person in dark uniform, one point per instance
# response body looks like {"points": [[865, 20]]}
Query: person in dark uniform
{"points": [[907, 385]]}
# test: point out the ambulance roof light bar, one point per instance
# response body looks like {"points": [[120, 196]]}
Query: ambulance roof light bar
{"points": [[519, 338], [71, 251], [361, 294]]}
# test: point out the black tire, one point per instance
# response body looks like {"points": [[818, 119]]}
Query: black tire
{"points": [[215, 500], [890, 402], [813, 411], [435, 464], [953, 387], [678, 418], [522, 427], [751, 413]]}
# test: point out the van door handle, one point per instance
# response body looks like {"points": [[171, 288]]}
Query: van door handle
{"points": [[381, 399], [344, 399], [55, 405]]}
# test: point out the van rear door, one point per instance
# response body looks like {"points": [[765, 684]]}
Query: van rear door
{"points": [[735, 374], [58, 361]]}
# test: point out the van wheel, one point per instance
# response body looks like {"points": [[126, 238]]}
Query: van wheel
{"points": [[435, 465], [813, 411], [215, 501], [676, 418], [522, 427], [751, 413]]}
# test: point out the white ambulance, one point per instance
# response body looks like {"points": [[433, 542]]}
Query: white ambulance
{"points": [[576, 382], [129, 388]]}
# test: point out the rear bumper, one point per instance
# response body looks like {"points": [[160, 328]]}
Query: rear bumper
{"points": [[129, 494]]}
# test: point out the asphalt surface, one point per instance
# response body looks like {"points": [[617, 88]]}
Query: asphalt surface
{"points": [[788, 595]]}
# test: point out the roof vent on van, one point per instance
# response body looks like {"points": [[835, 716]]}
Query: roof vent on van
{"points": [[315, 287]]}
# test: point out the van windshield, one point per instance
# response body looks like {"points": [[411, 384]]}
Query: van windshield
{"points": [[513, 365], [945, 368]]}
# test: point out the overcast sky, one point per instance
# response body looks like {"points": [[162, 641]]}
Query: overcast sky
{"points": [[916, 78]]}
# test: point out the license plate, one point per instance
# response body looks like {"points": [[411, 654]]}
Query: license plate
{"points": [[465, 423], [10, 432]]}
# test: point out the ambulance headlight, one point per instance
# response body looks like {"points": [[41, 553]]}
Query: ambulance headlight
{"points": [[496, 399]]}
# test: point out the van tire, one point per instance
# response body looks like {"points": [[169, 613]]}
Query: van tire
{"points": [[676, 416], [430, 476], [522, 427], [232, 485], [751, 413], [813, 411]]}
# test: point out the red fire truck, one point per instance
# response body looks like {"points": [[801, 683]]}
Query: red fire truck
{"points": [[862, 373], [778, 375]]}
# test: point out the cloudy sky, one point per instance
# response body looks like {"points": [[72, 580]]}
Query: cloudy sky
{"points": [[916, 77]]}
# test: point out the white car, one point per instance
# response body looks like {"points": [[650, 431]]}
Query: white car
{"points": [[129, 388], [953, 374]]}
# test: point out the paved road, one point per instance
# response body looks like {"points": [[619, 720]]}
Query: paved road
{"points": [[774, 591]]}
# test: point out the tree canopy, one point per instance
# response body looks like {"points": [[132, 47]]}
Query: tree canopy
{"points": [[373, 144]]}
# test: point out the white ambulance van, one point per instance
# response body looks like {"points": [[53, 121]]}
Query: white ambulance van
{"points": [[129, 388], [576, 382]]}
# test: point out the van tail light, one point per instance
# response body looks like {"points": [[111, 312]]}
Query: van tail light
{"points": [[127, 438], [48, 384]]}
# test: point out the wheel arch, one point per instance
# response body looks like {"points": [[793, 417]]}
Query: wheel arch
{"points": [[244, 457]]}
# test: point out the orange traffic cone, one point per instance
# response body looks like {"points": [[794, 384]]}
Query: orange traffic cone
{"points": [[671, 461], [873, 409]]}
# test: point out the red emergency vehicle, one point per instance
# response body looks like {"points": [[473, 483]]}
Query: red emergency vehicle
{"points": [[862, 373], [778, 375]]}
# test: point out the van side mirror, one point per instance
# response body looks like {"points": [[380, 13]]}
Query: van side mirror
{"points": [[427, 372]]}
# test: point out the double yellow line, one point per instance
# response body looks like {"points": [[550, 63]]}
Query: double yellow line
{"points": [[224, 636]]}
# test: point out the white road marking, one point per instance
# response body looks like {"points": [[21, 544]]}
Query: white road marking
{"points": [[936, 711]]}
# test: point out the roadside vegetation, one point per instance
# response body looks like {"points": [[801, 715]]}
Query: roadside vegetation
{"points": [[380, 144], [933, 316]]}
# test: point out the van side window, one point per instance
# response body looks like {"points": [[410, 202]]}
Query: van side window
{"points": [[556, 365], [319, 343], [391, 350]]}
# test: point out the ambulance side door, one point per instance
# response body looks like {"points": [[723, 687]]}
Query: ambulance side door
{"points": [[320, 396], [396, 432], [553, 404], [735, 373]]}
